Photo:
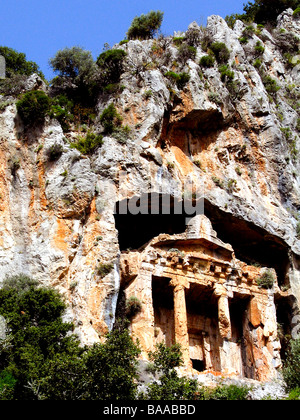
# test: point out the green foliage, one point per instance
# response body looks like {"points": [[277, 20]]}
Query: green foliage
{"points": [[227, 393], [87, 144], [13, 86], [231, 19], [104, 269], [43, 360], [133, 307], [16, 63], [112, 368], [54, 152], [263, 11], [111, 64], [110, 119], [77, 74], [61, 110], [7, 385], [181, 79], [294, 395], [296, 12], [226, 73], [207, 61], [170, 386], [33, 107], [186, 52], [291, 367], [257, 63], [145, 26], [259, 49], [270, 85], [266, 281], [220, 51], [75, 63], [38, 333]]}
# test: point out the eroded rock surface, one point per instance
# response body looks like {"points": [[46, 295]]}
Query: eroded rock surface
{"points": [[233, 142]]}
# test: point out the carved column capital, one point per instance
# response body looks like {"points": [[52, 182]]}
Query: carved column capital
{"points": [[180, 283]]}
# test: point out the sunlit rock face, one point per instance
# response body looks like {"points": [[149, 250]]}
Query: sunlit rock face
{"points": [[102, 226]]}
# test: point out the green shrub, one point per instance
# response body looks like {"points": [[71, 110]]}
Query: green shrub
{"points": [[186, 52], [110, 119], [243, 40], [77, 74], [227, 75], [263, 11], [266, 281], [45, 361], [231, 19], [291, 367], [61, 109], [270, 85], [207, 61], [296, 12], [257, 63], [38, 334], [220, 51], [133, 307], [16, 63], [218, 182], [75, 63], [104, 269], [259, 49], [111, 64], [170, 386], [228, 393], [145, 26], [181, 79], [7, 385], [54, 152], [88, 143], [294, 395], [33, 107], [122, 134]]}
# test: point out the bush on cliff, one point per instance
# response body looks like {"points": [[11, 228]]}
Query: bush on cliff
{"points": [[77, 74], [262, 11], [291, 367], [145, 26], [170, 386], [33, 107], [17, 64], [110, 63]]}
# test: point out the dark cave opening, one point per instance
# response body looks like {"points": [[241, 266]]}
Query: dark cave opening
{"points": [[140, 219], [251, 243], [198, 365], [150, 215]]}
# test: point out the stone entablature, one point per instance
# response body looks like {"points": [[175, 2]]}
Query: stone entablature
{"points": [[196, 293]]}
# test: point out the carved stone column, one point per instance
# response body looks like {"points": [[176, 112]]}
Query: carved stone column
{"points": [[180, 318], [223, 312]]}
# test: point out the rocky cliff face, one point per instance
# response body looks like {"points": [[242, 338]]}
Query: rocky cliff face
{"points": [[229, 134]]}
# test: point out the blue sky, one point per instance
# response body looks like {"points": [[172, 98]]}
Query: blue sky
{"points": [[40, 28]]}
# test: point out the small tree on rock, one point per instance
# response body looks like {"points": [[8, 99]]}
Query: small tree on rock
{"points": [[145, 26]]}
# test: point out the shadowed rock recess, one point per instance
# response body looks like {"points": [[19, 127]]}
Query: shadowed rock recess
{"points": [[190, 209]]}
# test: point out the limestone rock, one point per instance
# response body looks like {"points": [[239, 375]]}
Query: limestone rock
{"points": [[229, 141]]}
